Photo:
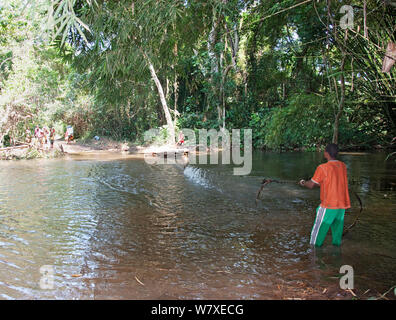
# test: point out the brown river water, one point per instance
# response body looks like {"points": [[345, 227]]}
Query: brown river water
{"points": [[119, 228]]}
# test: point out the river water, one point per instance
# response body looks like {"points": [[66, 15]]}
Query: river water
{"points": [[123, 229]]}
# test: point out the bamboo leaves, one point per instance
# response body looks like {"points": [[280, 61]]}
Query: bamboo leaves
{"points": [[61, 17]]}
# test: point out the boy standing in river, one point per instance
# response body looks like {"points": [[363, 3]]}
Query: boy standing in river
{"points": [[331, 177]]}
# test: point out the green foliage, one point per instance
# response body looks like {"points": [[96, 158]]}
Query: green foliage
{"points": [[258, 123], [261, 64], [305, 121], [6, 141]]}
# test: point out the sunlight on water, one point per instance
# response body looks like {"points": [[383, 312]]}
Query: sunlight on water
{"points": [[107, 227], [199, 176]]}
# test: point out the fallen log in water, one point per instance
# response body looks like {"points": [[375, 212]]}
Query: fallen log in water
{"points": [[169, 153], [14, 147]]}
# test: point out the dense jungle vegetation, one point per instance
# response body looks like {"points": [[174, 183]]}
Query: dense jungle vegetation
{"points": [[300, 73]]}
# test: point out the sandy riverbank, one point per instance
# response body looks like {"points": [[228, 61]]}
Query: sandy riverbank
{"points": [[106, 145], [61, 147]]}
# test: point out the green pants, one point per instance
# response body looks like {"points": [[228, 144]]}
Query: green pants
{"points": [[325, 219]]}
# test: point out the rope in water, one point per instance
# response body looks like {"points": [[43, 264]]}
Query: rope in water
{"points": [[268, 181]]}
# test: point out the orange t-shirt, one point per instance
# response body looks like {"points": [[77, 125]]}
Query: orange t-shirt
{"points": [[333, 181]]}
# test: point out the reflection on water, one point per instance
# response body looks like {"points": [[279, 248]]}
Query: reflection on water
{"points": [[124, 229]]}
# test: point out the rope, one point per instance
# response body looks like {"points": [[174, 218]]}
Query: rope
{"points": [[268, 181], [357, 216]]}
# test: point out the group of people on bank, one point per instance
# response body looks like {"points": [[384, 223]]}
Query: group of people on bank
{"points": [[44, 137]]}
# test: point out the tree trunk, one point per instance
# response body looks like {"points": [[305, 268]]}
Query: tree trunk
{"points": [[221, 109], [390, 57], [365, 19], [211, 44], [176, 93], [169, 122], [220, 102], [213, 59], [175, 88], [342, 101]]}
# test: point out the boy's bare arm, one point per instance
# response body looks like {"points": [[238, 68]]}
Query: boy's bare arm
{"points": [[308, 184]]}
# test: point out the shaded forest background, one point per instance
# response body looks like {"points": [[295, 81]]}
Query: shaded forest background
{"points": [[289, 70]]}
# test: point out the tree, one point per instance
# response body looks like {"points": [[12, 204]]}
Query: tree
{"points": [[231, 63], [38, 87], [120, 37]]}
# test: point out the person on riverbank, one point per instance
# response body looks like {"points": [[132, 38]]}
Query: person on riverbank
{"points": [[52, 137], [69, 134], [37, 136], [36, 131], [40, 138], [28, 136], [46, 140], [332, 179], [180, 140]]}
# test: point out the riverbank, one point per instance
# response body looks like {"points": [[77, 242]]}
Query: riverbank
{"points": [[27, 152], [343, 148], [108, 146], [92, 147]]}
